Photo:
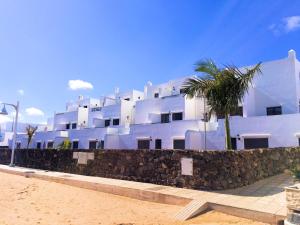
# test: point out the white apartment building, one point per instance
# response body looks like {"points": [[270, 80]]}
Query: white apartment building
{"points": [[161, 117]]}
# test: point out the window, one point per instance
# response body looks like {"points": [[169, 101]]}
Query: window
{"points": [[256, 143], [38, 145], [165, 118], [276, 110], [18, 145], [127, 99], [93, 145], [50, 144], [238, 112], [233, 143], [75, 144], [143, 144], [156, 95], [106, 123], [116, 122], [177, 116], [74, 125], [179, 144], [85, 106], [158, 144], [67, 126], [101, 144], [299, 141]]}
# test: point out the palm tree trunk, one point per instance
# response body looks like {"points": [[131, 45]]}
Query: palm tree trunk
{"points": [[227, 133]]}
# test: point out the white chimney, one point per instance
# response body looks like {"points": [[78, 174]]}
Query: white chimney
{"points": [[292, 54]]}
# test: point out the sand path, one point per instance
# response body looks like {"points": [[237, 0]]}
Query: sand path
{"points": [[30, 201]]}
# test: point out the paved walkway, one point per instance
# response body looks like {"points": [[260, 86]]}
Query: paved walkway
{"points": [[262, 201]]}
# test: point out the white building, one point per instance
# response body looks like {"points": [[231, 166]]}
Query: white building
{"points": [[162, 117]]}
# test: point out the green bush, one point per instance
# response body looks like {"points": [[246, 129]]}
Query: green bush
{"points": [[296, 171]]}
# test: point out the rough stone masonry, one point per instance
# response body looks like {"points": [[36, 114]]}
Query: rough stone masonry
{"points": [[206, 170]]}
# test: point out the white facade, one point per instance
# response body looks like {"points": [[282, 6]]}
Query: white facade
{"points": [[161, 117]]}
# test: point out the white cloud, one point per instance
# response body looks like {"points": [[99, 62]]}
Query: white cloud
{"points": [[292, 23], [21, 92], [5, 119], [79, 84], [34, 112], [286, 25]]}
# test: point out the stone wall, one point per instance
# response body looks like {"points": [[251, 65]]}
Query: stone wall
{"points": [[209, 170]]}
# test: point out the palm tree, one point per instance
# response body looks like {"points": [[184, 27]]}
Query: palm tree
{"points": [[30, 130], [223, 89]]}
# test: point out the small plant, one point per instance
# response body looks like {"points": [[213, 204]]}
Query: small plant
{"points": [[66, 144], [295, 169]]}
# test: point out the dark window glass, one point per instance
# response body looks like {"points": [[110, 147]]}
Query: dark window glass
{"points": [[127, 99], [75, 144], [277, 110], [85, 106], [237, 112], [143, 144], [93, 145], [106, 123], [74, 125], [179, 144], [165, 118], [101, 144], [299, 141], [256, 143], [116, 122], [233, 143], [38, 145], [67, 126], [50, 144], [177, 116], [158, 144], [156, 95]]}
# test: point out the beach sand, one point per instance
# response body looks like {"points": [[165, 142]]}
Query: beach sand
{"points": [[32, 201]]}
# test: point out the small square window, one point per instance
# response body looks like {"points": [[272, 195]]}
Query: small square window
{"points": [[75, 144], [93, 144], [156, 95], [67, 126], [74, 125], [116, 122], [50, 144], [165, 118], [106, 123], [177, 116]]}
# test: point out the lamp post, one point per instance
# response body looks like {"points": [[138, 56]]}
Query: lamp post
{"points": [[4, 112]]}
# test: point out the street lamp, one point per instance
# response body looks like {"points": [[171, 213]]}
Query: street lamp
{"points": [[4, 112]]}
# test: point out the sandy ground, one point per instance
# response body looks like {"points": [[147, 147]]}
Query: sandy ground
{"points": [[31, 201]]}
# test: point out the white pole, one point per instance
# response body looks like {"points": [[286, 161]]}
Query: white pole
{"points": [[15, 136], [205, 118]]}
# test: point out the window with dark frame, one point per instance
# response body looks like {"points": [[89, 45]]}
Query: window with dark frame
{"points": [[38, 145], [106, 123], [156, 95], [251, 143], [276, 110], [102, 144], [50, 144], [74, 125], [158, 144], [75, 144], [179, 144], [177, 116], [67, 126], [165, 118], [93, 144], [143, 144], [116, 122]]}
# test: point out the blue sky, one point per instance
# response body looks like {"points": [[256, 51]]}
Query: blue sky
{"points": [[125, 43]]}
